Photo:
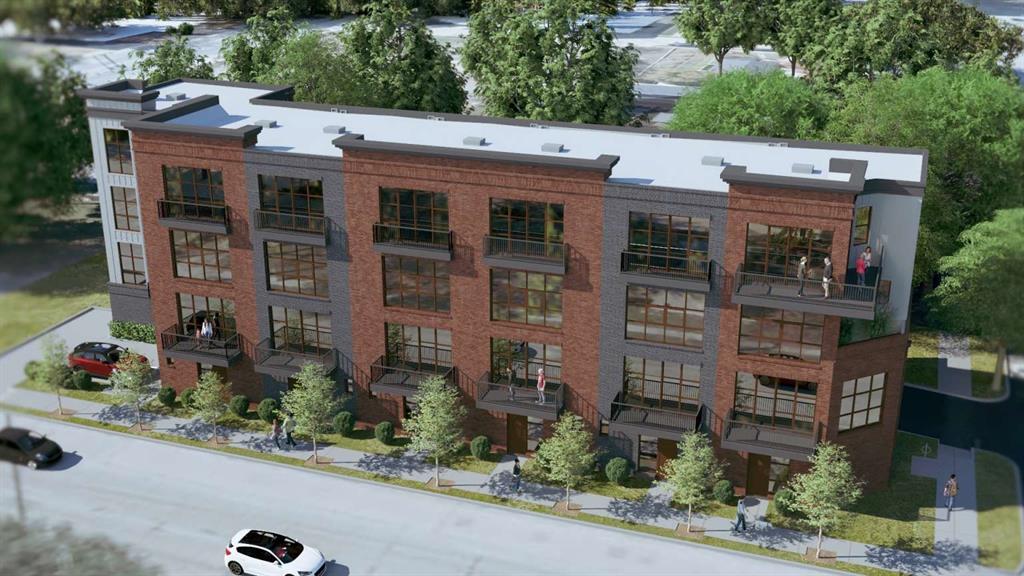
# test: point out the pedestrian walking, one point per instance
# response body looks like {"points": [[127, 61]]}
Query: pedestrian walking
{"points": [[741, 515], [275, 433], [540, 385], [289, 427], [801, 275], [826, 275], [949, 491], [517, 476], [862, 267]]}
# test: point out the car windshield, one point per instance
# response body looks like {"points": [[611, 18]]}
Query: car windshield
{"points": [[114, 356], [30, 441], [286, 549]]}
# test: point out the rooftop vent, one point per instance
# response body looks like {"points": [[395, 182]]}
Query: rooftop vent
{"points": [[803, 168], [474, 141], [712, 161], [661, 135], [175, 96], [438, 118], [541, 126], [267, 123], [551, 147], [339, 110], [332, 129]]}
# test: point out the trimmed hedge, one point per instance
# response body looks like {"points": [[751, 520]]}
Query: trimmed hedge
{"points": [[480, 447], [239, 405], [135, 331], [784, 500], [723, 491], [80, 380], [344, 422], [617, 470], [384, 432], [32, 369], [166, 396], [267, 410], [186, 397]]}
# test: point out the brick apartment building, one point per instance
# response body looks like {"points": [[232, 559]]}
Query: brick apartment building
{"points": [[652, 276]]}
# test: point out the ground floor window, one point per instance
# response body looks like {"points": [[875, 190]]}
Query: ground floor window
{"points": [[420, 348]]}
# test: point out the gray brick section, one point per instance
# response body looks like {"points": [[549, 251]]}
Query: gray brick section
{"points": [[338, 305], [620, 200], [130, 303]]}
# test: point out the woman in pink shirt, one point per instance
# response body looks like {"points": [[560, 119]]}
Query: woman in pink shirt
{"points": [[540, 385], [862, 267]]}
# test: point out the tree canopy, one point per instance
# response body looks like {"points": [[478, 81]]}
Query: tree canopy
{"points": [[251, 54], [210, 400], [319, 70], [549, 61], [830, 487], [692, 474], [717, 26], [172, 58], [130, 382], [567, 455], [42, 15], [795, 27], [312, 402], [436, 426]]}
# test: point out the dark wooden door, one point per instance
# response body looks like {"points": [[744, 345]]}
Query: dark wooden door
{"points": [[667, 450], [758, 467], [517, 434]]}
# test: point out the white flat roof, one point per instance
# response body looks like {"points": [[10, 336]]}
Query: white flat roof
{"points": [[643, 159]]}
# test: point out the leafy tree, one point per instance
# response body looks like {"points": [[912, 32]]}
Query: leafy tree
{"points": [[130, 381], [236, 8], [794, 26], [396, 55], [60, 81], [315, 65], [982, 289], [172, 58], [312, 402], [826, 490], [755, 104], [53, 370], [36, 548], [436, 427], [210, 399], [972, 124], [717, 26], [566, 457], [51, 16], [549, 61], [252, 53], [692, 474]]}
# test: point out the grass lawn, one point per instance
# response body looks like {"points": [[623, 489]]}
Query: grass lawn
{"points": [[983, 364], [52, 299], [94, 395], [635, 488], [922, 365], [466, 461], [363, 440], [999, 531], [901, 516]]}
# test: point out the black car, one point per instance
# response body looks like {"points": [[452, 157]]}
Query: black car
{"points": [[22, 446]]}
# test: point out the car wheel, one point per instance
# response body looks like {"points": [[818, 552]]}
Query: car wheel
{"points": [[32, 464], [235, 568]]}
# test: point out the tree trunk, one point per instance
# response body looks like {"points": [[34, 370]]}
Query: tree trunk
{"points": [[437, 472], [138, 416], [60, 407], [817, 554], [997, 374], [792, 67], [689, 516], [214, 432], [721, 60], [316, 459]]}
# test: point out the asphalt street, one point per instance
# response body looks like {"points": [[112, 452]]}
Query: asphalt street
{"points": [[178, 506]]}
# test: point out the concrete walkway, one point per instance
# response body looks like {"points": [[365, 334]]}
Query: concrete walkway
{"points": [[961, 523], [954, 365]]}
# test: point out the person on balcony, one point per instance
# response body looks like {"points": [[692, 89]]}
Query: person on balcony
{"points": [[826, 275], [511, 386], [540, 385], [801, 275], [862, 267], [867, 257]]}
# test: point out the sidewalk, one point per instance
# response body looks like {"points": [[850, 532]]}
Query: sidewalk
{"points": [[961, 523], [952, 555], [954, 365]]}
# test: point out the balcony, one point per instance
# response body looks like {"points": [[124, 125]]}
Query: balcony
{"points": [[284, 361], [531, 255], [402, 377], [288, 227], [630, 418], [668, 270], [405, 240], [193, 216], [782, 292], [780, 441], [223, 351], [519, 398]]}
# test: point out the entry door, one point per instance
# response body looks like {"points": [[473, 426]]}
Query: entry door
{"points": [[516, 433], [758, 471], [667, 450]]}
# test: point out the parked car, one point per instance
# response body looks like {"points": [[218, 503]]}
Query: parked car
{"points": [[96, 358], [22, 446], [262, 553]]}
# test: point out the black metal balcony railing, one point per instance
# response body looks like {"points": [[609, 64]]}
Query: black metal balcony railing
{"points": [[187, 210], [304, 223], [668, 265], [519, 248], [175, 341], [740, 433], [400, 234], [497, 393], [285, 353], [402, 372], [808, 295], [664, 422]]}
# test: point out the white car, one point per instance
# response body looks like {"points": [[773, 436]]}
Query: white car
{"points": [[262, 553]]}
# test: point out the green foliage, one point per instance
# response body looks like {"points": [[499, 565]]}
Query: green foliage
{"points": [[320, 71], [830, 487], [135, 331], [36, 548], [617, 470], [53, 371], [239, 405], [717, 26], [80, 380], [754, 104], [187, 398], [795, 27], [251, 54], [267, 410], [693, 473], [130, 380], [312, 401], [480, 447], [183, 29], [723, 491], [785, 500], [172, 58], [344, 423], [51, 16], [982, 289], [550, 61], [209, 398], [567, 456], [384, 432], [436, 426], [167, 396], [33, 370]]}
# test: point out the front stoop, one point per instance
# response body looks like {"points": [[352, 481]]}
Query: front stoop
{"points": [[827, 556], [563, 507], [694, 533], [318, 461]]}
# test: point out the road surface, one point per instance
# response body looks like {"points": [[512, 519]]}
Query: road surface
{"points": [[178, 506]]}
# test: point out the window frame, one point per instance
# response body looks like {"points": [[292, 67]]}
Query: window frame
{"points": [[410, 208], [776, 417], [118, 149], [178, 179], [196, 303], [428, 285], [861, 230], [211, 256], [296, 270], [848, 408], [125, 209], [511, 297], [786, 325], [687, 329], [137, 258], [514, 219], [507, 352], [300, 192], [434, 354], [688, 398], [696, 244], [301, 331], [776, 250]]}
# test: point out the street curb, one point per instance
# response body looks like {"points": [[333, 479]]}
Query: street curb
{"points": [[1002, 398], [47, 330], [298, 467]]}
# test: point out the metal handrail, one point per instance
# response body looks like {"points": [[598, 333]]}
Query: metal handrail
{"points": [[173, 336], [626, 413], [521, 248], [390, 233], [837, 291], [387, 363], [770, 434], [294, 222], [671, 265], [271, 347], [554, 392], [185, 210]]}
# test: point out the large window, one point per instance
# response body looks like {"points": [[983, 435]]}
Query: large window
{"points": [[126, 208], [300, 331], [522, 220], [192, 310], [297, 269], [133, 264], [669, 385], [666, 235], [419, 348], [781, 333], [119, 151], [414, 208], [526, 297], [193, 185], [862, 225], [862, 402], [296, 198], [416, 283], [775, 401], [661, 315], [201, 256], [777, 250], [524, 359]]}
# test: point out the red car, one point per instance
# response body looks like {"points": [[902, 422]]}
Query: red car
{"points": [[96, 358]]}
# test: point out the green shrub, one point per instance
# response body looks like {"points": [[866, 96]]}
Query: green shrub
{"points": [[186, 397], [135, 331], [480, 447], [344, 422], [32, 369], [267, 410], [166, 396], [784, 500], [617, 470], [239, 405], [384, 432], [81, 380], [67, 377], [184, 29], [722, 491]]}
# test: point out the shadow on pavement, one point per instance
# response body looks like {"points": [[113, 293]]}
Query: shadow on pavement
{"points": [[947, 556], [647, 509], [335, 569], [68, 460]]}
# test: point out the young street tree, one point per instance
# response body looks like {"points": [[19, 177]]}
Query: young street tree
{"points": [[172, 58], [551, 61], [53, 368], [693, 473], [436, 427], [130, 381], [566, 457], [210, 399], [252, 53], [717, 26], [312, 402], [797, 25], [826, 490]]}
